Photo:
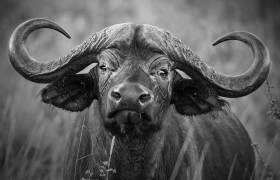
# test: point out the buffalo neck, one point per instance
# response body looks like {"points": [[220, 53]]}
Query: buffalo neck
{"points": [[153, 157], [148, 158], [137, 158]]}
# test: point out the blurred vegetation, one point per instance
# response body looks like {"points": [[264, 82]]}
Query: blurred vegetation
{"points": [[32, 135]]}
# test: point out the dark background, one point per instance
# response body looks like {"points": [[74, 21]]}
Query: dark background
{"points": [[33, 135]]}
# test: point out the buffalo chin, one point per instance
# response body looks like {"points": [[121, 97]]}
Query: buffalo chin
{"points": [[128, 124]]}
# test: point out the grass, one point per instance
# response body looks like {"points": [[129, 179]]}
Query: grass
{"points": [[32, 138]]}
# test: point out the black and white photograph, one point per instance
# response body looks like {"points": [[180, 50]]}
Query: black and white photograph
{"points": [[139, 90]]}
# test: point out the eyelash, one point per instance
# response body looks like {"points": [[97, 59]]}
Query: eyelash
{"points": [[103, 68], [163, 73]]}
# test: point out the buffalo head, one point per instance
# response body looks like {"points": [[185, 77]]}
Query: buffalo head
{"points": [[136, 78]]}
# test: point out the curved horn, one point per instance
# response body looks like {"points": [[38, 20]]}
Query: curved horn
{"points": [[40, 72], [226, 85]]}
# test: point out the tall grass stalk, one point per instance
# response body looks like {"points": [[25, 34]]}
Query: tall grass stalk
{"points": [[32, 140]]}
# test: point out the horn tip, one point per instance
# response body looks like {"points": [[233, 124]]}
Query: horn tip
{"points": [[221, 39], [216, 42], [68, 35]]}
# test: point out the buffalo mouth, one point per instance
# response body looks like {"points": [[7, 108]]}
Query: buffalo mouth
{"points": [[130, 115], [129, 123]]}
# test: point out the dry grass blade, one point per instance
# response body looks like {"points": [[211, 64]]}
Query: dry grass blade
{"points": [[111, 150], [77, 159], [232, 167], [181, 154], [199, 165]]}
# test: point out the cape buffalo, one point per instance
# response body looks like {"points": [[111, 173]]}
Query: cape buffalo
{"points": [[163, 125]]}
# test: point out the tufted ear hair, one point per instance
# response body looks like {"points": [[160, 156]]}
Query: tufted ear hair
{"points": [[73, 93], [192, 97]]}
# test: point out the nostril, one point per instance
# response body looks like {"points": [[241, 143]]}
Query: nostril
{"points": [[116, 95], [144, 97]]}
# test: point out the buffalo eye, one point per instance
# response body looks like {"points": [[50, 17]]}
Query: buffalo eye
{"points": [[103, 68], [163, 73]]}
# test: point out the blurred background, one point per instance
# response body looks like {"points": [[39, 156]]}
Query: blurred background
{"points": [[33, 135]]}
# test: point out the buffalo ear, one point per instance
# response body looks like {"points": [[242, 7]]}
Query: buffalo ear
{"points": [[192, 98], [72, 93]]}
